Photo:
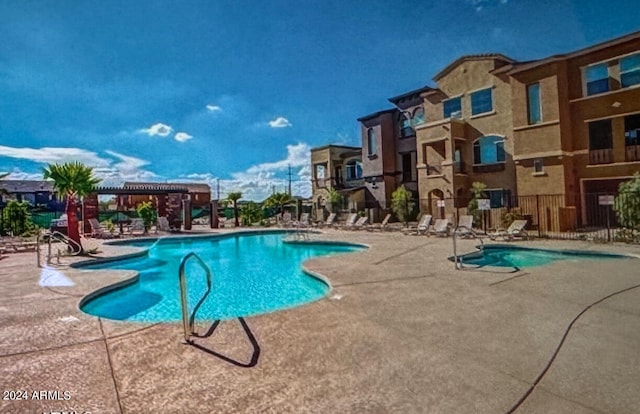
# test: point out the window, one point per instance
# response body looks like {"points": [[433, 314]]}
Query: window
{"points": [[534, 108], [630, 70], [597, 78], [632, 130], [499, 198], [320, 174], [354, 170], [371, 141], [481, 101], [452, 108], [538, 165], [488, 150], [405, 126], [408, 166], [600, 135], [418, 116]]}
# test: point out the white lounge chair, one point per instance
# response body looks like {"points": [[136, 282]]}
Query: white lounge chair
{"points": [[465, 226], [99, 231], [516, 229], [423, 225], [162, 224], [440, 228], [360, 223], [136, 228], [328, 222], [303, 222], [351, 220], [380, 226], [286, 220]]}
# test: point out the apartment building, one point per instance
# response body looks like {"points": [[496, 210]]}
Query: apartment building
{"points": [[338, 167], [467, 135], [576, 122]]}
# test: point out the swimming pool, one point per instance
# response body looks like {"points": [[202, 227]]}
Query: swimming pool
{"points": [[251, 273], [521, 257]]}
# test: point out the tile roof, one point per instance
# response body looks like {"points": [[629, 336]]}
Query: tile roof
{"points": [[26, 186], [465, 58]]}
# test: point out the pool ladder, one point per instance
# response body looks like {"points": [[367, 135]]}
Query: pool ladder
{"points": [[457, 260], [188, 319]]}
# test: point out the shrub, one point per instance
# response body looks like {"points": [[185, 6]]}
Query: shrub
{"points": [[147, 213], [402, 204], [16, 219]]}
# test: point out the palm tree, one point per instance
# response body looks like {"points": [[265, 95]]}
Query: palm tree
{"points": [[71, 180], [234, 197]]}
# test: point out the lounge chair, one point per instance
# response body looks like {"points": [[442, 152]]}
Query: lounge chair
{"points": [[99, 231], [360, 223], [380, 226], [303, 222], [162, 224], [423, 225], [136, 228], [286, 220], [440, 228], [20, 244], [351, 220], [465, 226], [516, 229], [328, 222]]}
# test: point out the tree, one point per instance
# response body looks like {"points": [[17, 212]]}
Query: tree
{"points": [[147, 213], [278, 200], [16, 219], [71, 180], [333, 199], [234, 197], [251, 213], [627, 203], [402, 204], [477, 192]]}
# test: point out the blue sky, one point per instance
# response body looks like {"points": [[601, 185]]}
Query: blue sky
{"points": [[239, 90]]}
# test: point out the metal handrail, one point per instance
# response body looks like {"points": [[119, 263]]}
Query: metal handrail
{"points": [[56, 235], [188, 320], [457, 260]]}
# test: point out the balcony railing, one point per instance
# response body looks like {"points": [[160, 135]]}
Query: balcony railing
{"points": [[353, 182], [632, 153], [601, 156], [434, 169], [487, 168], [407, 132], [459, 167]]}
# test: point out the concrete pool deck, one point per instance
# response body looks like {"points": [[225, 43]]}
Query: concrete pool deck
{"points": [[402, 331]]}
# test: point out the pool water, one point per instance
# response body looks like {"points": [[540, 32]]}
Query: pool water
{"points": [[251, 274], [521, 257]]}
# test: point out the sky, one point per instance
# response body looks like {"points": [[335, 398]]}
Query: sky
{"points": [[237, 92]]}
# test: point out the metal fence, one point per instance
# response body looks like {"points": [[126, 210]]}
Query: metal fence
{"points": [[555, 216], [15, 223]]}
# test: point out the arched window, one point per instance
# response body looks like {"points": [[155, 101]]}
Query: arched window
{"points": [[489, 150], [371, 141], [404, 125], [354, 170], [418, 116]]}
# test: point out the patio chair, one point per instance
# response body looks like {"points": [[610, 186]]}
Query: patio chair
{"points": [[351, 220], [380, 226], [303, 222], [465, 226], [360, 223], [136, 228], [286, 220], [328, 222], [422, 227], [99, 231], [440, 228], [162, 224], [22, 244], [516, 229]]}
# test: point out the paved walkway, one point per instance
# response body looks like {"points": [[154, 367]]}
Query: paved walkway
{"points": [[401, 332]]}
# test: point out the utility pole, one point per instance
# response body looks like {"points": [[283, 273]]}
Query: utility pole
{"points": [[217, 189], [289, 180]]}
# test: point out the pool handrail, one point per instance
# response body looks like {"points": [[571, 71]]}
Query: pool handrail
{"points": [[457, 260], [188, 320]]}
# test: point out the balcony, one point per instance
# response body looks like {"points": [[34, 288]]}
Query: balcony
{"points": [[488, 168], [434, 169], [353, 182], [459, 167], [601, 156], [407, 132], [632, 153]]}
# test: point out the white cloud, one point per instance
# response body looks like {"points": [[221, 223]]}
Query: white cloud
{"points": [[213, 108], [54, 155], [159, 129], [182, 137], [480, 4], [297, 156], [280, 122]]}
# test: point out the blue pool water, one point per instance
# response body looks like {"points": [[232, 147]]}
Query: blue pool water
{"points": [[252, 274], [521, 257]]}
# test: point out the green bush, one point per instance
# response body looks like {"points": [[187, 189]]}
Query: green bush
{"points": [[251, 213], [147, 213], [16, 219], [402, 204]]}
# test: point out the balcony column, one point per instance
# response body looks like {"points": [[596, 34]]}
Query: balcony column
{"points": [[617, 133]]}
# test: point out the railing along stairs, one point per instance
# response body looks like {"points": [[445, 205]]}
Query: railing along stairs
{"points": [[72, 247]]}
